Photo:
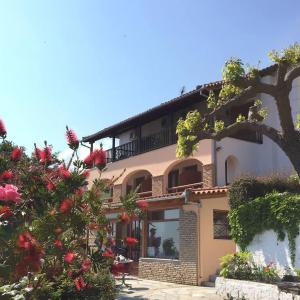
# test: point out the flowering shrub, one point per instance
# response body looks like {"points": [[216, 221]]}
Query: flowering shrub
{"points": [[45, 212], [241, 266]]}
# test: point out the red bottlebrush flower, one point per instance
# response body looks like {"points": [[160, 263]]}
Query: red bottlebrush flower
{"points": [[58, 230], [79, 192], [66, 205], [58, 244], [86, 265], [134, 217], [79, 283], [97, 158], [63, 172], [108, 253], [130, 241], [124, 218], [72, 139], [142, 204], [7, 175], [2, 129], [50, 186], [69, 257], [26, 241], [86, 173], [37, 152], [45, 155], [5, 212], [89, 160], [16, 154]]}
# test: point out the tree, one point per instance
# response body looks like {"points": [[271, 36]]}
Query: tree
{"points": [[240, 86]]}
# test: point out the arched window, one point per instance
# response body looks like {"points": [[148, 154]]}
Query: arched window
{"points": [[231, 169]]}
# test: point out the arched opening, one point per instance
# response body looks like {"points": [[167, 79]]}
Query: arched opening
{"points": [[231, 169], [184, 174], [139, 181]]}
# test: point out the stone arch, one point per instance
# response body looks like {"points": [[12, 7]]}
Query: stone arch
{"points": [[138, 178], [183, 173]]}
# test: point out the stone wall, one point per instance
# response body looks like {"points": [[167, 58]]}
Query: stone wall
{"points": [[250, 290], [184, 270], [117, 192], [208, 176], [157, 185]]}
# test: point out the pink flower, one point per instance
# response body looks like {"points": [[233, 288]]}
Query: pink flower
{"points": [[26, 241], [142, 204], [86, 265], [72, 139], [50, 186], [69, 257], [9, 193], [16, 154], [2, 129]]}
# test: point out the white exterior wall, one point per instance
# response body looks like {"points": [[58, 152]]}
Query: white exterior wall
{"points": [[265, 249], [259, 159]]}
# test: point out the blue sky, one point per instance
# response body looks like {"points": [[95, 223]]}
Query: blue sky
{"points": [[90, 64]]}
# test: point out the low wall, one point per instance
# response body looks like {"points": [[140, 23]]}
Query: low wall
{"points": [[266, 248], [250, 290]]}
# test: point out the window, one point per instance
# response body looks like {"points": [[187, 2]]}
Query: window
{"points": [[138, 183], [163, 234], [192, 168], [221, 225], [173, 178]]}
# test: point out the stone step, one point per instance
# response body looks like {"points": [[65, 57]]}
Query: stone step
{"points": [[208, 284]]}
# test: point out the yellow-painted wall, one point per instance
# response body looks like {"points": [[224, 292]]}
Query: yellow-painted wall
{"points": [[211, 249]]}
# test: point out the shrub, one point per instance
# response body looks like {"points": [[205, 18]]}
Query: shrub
{"points": [[241, 266], [248, 188]]}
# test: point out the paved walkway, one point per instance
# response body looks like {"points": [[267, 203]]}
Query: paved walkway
{"points": [[155, 290]]}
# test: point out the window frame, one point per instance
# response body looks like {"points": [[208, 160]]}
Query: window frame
{"points": [[225, 237]]}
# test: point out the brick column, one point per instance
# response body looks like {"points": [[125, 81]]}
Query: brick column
{"points": [[117, 192], [157, 185], [208, 176]]}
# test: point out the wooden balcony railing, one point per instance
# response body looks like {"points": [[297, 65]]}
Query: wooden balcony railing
{"points": [[148, 143], [181, 188]]}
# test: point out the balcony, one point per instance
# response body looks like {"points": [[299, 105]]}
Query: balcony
{"points": [[141, 145]]}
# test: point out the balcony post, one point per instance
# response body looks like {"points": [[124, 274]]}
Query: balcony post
{"points": [[91, 147], [139, 139], [113, 148]]}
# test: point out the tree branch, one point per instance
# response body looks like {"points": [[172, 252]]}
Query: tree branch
{"points": [[291, 75], [247, 94], [228, 131]]}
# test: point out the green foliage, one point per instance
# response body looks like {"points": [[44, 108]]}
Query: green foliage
{"points": [[228, 91], [219, 125], [247, 188], [290, 55], [212, 100], [187, 131], [240, 118], [241, 266], [277, 211], [233, 70], [298, 122]]}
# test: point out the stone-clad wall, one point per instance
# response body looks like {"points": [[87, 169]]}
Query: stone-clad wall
{"points": [[183, 270], [250, 290]]}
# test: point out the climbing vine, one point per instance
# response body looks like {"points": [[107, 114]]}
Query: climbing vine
{"points": [[277, 211]]}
